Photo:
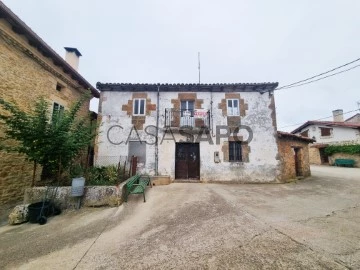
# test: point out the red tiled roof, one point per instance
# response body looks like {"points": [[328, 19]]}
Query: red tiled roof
{"points": [[328, 124], [282, 134]]}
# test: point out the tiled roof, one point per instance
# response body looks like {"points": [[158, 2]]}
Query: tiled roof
{"points": [[21, 28], [282, 134], [190, 87], [358, 114], [328, 124]]}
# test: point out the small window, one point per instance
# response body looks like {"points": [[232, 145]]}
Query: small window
{"points": [[305, 133], [235, 151], [139, 106], [57, 111], [59, 87], [325, 132], [233, 107]]}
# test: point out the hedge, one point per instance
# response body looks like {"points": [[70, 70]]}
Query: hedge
{"points": [[351, 149]]}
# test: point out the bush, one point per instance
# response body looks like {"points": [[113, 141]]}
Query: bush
{"points": [[351, 149], [104, 176]]}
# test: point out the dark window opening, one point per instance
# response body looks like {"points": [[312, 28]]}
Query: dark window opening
{"points": [[325, 131], [305, 133], [59, 87], [235, 153]]}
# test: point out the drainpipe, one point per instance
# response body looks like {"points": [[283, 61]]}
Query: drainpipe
{"points": [[157, 132], [211, 113]]}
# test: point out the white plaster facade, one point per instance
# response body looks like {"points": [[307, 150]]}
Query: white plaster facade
{"points": [[339, 134], [116, 124]]}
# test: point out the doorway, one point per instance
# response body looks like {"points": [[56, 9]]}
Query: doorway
{"points": [[297, 157], [187, 161]]}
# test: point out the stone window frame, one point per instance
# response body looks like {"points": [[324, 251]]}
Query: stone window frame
{"points": [[139, 109], [227, 107], [245, 150], [237, 144]]}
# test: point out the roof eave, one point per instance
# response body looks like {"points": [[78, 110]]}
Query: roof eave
{"points": [[44, 48], [218, 87]]}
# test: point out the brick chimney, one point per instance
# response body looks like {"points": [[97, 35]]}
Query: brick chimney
{"points": [[338, 115], [72, 57]]}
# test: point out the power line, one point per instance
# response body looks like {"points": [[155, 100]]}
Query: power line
{"points": [[318, 75], [318, 119], [319, 78]]}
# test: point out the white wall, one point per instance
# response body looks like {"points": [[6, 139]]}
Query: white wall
{"points": [[339, 134], [263, 165]]}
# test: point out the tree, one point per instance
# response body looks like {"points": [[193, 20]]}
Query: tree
{"points": [[52, 141]]}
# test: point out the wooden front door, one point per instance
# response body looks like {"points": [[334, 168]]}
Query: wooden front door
{"points": [[187, 161]]}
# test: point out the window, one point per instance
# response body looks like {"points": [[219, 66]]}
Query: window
{"points": [[57, 110], [59, 87], [187, 108], [325, 132], [305, 133], [235, 151], [233, 107], [139, 106]]}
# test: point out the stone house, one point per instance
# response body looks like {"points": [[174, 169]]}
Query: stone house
{"points": [[31, 69], [205, 132], [294, 155], [326, 133]]}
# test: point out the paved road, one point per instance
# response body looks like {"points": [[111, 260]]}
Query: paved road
{"points": [[314, 223]]}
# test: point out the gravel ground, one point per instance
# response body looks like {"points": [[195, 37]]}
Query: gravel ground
{"points": [[314, 223]]}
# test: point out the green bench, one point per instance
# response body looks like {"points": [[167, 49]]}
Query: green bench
{"points": [[136, 185], [344, 162]]}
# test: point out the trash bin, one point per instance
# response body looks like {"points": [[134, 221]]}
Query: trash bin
{"points": [[35, 211]]}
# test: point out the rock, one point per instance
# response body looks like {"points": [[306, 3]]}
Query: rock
{"points": [[19, 214]]}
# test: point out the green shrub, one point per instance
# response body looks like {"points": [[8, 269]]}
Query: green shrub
{"points": [[104, 176], [351, 149]]}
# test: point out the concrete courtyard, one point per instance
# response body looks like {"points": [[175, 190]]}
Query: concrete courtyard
{"points": [[311, 224]]}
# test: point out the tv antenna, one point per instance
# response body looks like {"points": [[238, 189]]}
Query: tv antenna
{"points": [[199, 65]]}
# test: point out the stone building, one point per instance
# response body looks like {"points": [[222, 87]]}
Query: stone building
{"points": [[294, 154], [326, 133], [30, 69], [206, 132]]}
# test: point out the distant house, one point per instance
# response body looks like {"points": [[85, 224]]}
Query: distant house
{"points": [[354, 119], [30, 69], [329, 132], [206, 132]]}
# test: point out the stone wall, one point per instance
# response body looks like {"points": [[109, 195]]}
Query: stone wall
{"points": [[345, 156], [314, 156], [286, 152], [94, 196], [27, 75]]}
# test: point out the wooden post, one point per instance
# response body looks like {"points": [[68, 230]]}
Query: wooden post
{"points": [[133, 165]]}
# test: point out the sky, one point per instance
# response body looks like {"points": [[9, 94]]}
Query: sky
{"points": [[157, 41]]}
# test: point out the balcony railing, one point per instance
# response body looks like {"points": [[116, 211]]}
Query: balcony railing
{"points": [[197, 118]]}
